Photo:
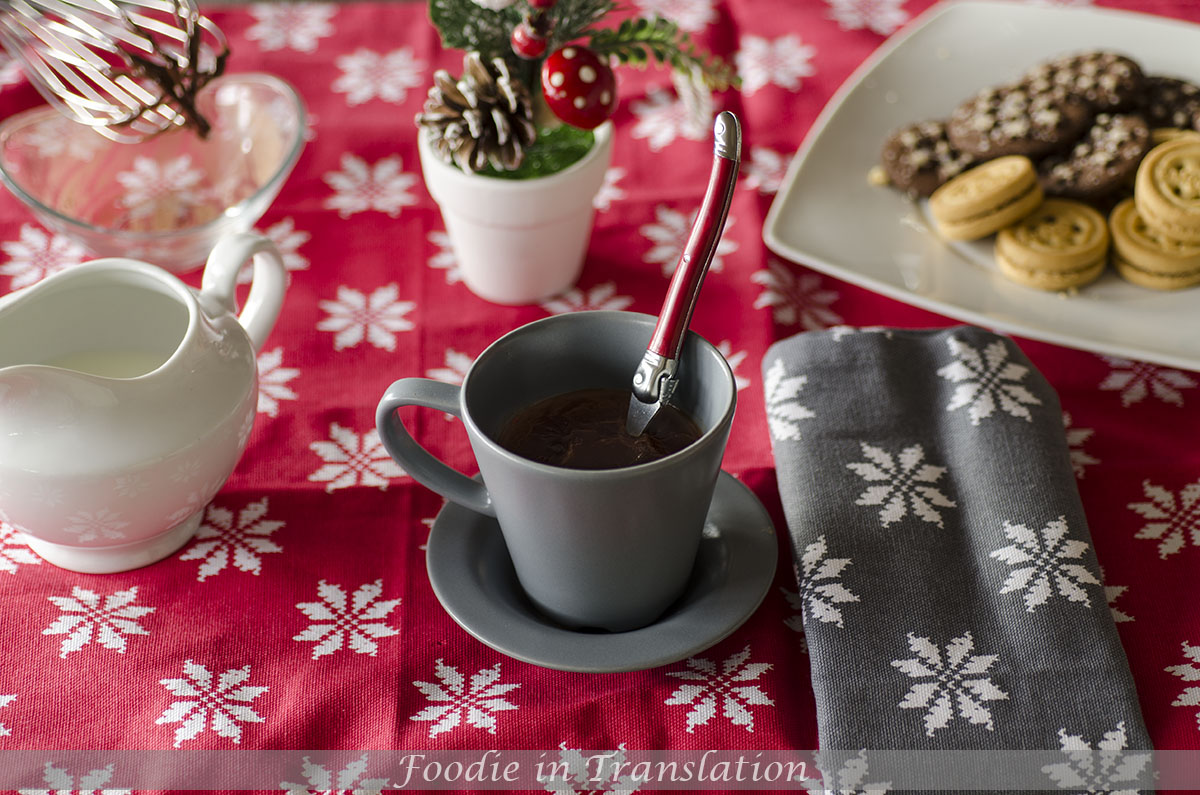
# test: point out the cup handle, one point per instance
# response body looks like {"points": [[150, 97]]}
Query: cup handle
{"points": [[415, 459], [267, 285]]}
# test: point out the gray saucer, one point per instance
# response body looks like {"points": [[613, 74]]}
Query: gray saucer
{"points": [[473, 577]]}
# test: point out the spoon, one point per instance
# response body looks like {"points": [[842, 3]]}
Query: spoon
{"points": [[655, 378]]}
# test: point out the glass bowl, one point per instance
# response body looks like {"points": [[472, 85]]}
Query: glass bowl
{"points": [[168, 199]]}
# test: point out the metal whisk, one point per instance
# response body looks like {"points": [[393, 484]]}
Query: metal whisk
{"points": [[129, 68]]}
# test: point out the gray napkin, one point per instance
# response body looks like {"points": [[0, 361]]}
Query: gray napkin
{"points": [[951, 595]]}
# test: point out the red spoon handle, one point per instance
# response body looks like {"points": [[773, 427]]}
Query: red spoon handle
{"points": [[676, 314]]}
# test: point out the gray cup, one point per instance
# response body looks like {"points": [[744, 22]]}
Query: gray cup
{"points": [[603, 549]]}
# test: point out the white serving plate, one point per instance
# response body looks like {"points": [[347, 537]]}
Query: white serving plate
{"points": [[829, 217]]}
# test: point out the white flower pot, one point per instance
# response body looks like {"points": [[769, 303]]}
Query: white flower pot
{"points": [[519, 241]]}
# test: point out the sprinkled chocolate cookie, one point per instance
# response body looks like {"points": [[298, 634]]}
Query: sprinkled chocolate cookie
{"points": [[1012, 120], [919, 158], [1107, 81], [1170, 102], [1104, 160]]}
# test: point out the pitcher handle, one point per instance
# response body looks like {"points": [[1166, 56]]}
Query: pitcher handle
{"points": [[424, 467], [267, 285]]}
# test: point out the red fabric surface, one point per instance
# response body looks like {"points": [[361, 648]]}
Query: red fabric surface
{"points": [[1135, 427]]}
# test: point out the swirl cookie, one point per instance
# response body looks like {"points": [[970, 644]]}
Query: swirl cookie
{"points": [[1060, 245], [1104, 160], [1144, 256], [1013, 120], [1106, 81], [986, 198], [1167, 189], [919, 158], [1170, 102]]}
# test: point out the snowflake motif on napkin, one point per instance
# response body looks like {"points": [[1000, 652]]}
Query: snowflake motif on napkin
{"points": [[795, 297], [849, 778], [333, 620], [455, 699], [204, 704], [949, 685], [1044, 562], [820, 590], [318, 779], [62, 782], [5, 700], [1101, 768], [901, 482], [762, 62], [359, 187], [595, 773], [1188, 672], [85, 618], [367, 75], [987, 380], [223, 539], [784, 411], [729, 686], [37, 254], [13, 550], [1173, 518], [295, 26]]}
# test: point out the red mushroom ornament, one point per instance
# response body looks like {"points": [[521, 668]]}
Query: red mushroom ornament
{"points": [[580, 88]]}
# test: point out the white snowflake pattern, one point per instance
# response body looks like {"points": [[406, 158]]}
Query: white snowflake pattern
{"points": [[221, 540], [690, 15], [848, 779], [444, 259], [1136, 380], [820, 590], [765, 170], [293, 26], [359, 187], [735, 359], [986, 380], [1173, 519], [1099, 769], [149, 182], [367, 75], [62, 782], [1188, 672], [5, 700], [901, 482], [351, 460], [1111, 594], [288, 240], [13, 550], [609, 191], [784, 411], [37, 254], [336, 624], [377, 318], [347, 781], [1076, 437], [957, 680], [96, 525], [602, 296], [1045, 562], [881, 16], [795, 297], [455, 699], [204, 704], [593, 773], [669, 234], [662, 117], [706, 689], [795, 622], [86, 618], [457, 364], [761, 62], [273, 380]]}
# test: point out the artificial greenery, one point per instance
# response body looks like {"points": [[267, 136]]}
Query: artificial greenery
{"points": [[556, 148]]}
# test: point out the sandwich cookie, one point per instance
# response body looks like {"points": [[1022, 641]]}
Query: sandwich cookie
{"points": [[1167, 189], [986, 198], [1060, 245], [1145, 257]]}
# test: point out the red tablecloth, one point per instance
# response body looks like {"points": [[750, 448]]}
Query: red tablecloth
{"points": [[303, 607]]}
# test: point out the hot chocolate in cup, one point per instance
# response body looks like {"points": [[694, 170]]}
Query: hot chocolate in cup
{"points": [[594, 549]]}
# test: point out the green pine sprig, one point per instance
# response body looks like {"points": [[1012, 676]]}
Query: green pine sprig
{"points": [[636, 41], [465, 25]]}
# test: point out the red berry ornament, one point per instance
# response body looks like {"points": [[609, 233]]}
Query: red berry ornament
{"points": [[579, 87], [542, 5], [526, 42]]}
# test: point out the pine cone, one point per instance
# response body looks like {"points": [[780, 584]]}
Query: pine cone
{"points": [[487, 116]]}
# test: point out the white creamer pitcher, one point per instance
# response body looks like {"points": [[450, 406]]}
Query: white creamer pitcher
{"points": [[126, 399]]}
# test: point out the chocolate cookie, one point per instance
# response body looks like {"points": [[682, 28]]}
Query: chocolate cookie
{"points": [[919, 158], [1107, 81], [1170, 102], [1014, 120], [1104, 160]]}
